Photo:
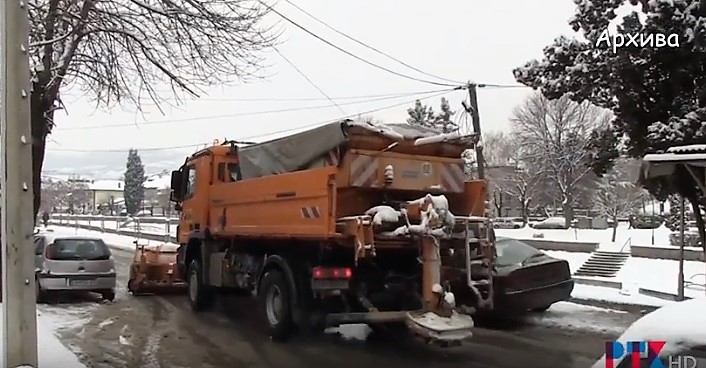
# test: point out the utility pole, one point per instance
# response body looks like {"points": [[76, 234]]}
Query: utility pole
{"points": [[682, 226], [19, 317], [473, 110]]}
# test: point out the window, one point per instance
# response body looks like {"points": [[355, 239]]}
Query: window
{"points": [[190, 182], [78, 250], [38, 245], [511, 251], [228, 172], [234, 172]]}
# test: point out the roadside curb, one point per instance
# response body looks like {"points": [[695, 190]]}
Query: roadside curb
{"points": [[626, 307]]}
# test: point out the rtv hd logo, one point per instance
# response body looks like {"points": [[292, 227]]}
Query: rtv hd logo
{"points": [[642, 354]]}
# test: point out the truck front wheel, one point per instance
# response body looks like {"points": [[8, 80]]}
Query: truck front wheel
{"points": [[201, 296], [276, 306]]}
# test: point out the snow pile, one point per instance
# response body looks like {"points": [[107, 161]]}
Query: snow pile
{"points": [[382, 214], [52, 353], [437, 139], [581, 317], [680, 325], [436, 218]]}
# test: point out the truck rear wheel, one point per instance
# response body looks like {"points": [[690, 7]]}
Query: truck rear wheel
{"points": [[276, 305], [201, 296]]}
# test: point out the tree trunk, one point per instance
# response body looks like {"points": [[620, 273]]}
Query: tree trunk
{"points": [[615, 228], [40, 130], [568, 210], [699, 220]]}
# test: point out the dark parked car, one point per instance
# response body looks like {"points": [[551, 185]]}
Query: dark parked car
{"points": [[646, 222], [526, 279]]}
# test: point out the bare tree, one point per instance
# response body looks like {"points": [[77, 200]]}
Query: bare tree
{"points": [[119, 51], [554, 136], [498, 149], [523, 186], [617, 197]]}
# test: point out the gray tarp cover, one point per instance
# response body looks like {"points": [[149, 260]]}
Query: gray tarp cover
{"points": [[294, 152]]}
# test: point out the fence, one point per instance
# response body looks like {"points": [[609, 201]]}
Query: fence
{"points": [[124, 225]]}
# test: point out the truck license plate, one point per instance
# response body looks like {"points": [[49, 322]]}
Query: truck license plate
{"points": [[81, 282]]}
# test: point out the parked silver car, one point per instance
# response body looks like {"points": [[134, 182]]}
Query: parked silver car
{"points": [[73, 263]]}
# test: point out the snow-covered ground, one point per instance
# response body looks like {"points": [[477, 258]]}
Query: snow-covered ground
{"points": [[641, 237], [652, 274], [52, 353]]}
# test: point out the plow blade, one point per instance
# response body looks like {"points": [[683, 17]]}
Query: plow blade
{"points": [[153, 288], [435, 328], [154, 271]]}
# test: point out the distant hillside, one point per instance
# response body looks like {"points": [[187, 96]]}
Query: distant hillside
{"points": [[109, 165]]}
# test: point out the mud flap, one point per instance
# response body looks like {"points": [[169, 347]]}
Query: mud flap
{"points": [[434, 327]]}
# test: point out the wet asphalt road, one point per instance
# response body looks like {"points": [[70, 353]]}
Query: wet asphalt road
{"points": [[153, 331]]}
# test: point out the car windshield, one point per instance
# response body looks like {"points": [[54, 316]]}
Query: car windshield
{"points": [[511, 251], [78, 249]]}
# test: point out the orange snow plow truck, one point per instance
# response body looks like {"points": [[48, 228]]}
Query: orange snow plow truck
{"points": [[345, 223]]}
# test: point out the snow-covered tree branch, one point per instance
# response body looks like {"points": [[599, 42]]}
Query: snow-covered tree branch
{"points": [[119, 51], [616, 196], [655, 93], [554, 139]]}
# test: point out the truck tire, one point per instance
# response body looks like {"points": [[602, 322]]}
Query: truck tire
{"points": [[201, 296], [276, 305]]}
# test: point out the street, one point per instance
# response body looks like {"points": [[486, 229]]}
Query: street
{"points": [[151, 331]]}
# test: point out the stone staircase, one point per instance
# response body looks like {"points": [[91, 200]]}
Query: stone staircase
{"points": [[603, 264]]}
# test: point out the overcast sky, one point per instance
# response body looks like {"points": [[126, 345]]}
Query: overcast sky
{"points": [[461, 40]]}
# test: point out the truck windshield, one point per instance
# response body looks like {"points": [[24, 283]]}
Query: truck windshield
{"points": [[78, 249]]}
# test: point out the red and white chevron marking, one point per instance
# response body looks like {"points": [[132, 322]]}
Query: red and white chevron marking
{"points": [[452, 177], [334, 156], [364, 171], [311, 212]]}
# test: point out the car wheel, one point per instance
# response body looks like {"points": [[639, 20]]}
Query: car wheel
{"points": [[108, 295], [276, 306], [201, 297], [541, 309], [39, 294]]}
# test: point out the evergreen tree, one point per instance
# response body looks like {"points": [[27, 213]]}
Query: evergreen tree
{"points": [[421, 114], [673, 220], [442, 121], [134, 190], [656, 92]]}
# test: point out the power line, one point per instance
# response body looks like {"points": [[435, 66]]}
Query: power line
{"points": [[350, 53], [127, 149], [368, 46], [486, 85], [307, 79], [320, 123], [295, 99], [304, 108], [349, 116]]}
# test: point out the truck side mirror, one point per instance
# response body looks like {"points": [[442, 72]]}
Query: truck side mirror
{"points": [[176, 184]]}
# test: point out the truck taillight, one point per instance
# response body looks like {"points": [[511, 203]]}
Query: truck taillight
{"points": [[331, 273]]}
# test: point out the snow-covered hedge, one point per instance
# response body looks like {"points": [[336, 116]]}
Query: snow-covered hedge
{"points": [[691, 239]]}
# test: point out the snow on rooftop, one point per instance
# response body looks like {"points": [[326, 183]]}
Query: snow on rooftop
{"points": [[106, 185], [692, 148], [680, 325], [159, 181]]}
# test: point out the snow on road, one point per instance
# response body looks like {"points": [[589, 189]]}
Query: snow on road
{"points": [[52, 353], [582, 317]]}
